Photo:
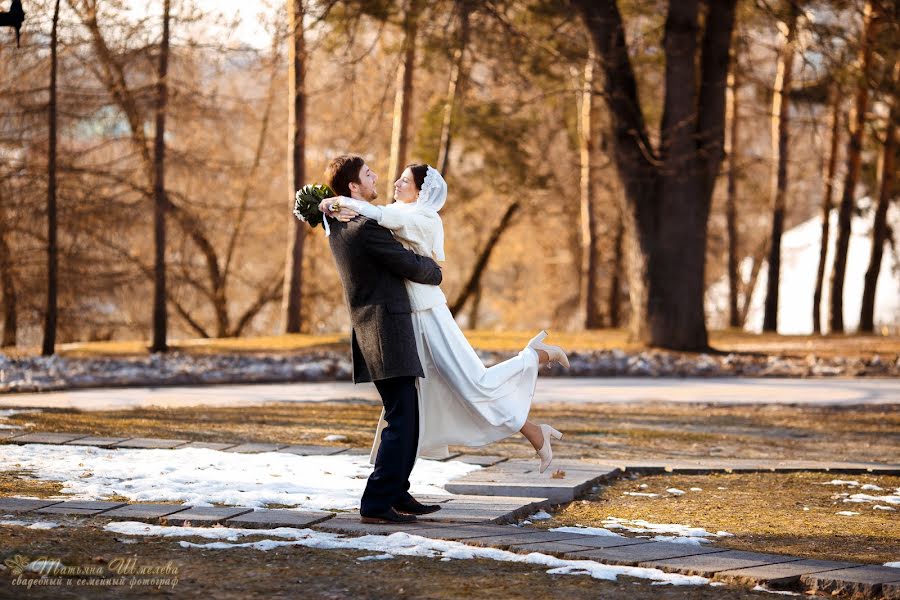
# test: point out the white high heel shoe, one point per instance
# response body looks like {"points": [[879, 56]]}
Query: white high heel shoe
{"points": [[554, 352], [546, 452]]}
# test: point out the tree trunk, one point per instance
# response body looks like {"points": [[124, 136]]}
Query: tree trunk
{"points": [[588, 151], [667, 194], [854, 151], [474, 281], [615, 284], [475, 307], [880, 228], [293, 274], [732, 116], [454, 86], [160, 316], [827, 201], [50, 315], [403, 95], [751, 283], [781, 111], [8, 295]]}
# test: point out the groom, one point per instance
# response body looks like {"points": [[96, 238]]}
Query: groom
{"points": [[373, 267]]}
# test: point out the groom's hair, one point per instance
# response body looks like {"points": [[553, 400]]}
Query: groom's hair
{"points": [[342, 171]]}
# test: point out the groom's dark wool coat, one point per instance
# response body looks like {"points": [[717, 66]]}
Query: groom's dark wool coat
{"points": [[372, 266]]}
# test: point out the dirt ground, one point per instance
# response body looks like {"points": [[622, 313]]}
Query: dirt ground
{"points": [[298, 572]]}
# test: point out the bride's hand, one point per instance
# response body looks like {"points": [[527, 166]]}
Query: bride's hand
{"points": [[344, 214]]}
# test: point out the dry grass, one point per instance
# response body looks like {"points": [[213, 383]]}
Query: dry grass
{"points": [[502, 341], [592, 431], [766, 512]]}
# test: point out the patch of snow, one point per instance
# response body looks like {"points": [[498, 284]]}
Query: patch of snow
{"points": [[761, 588], [335, 438], [675, 491], [202, 477], [587, 531], [869, 498], [642, 494], [848, 482], [541, 515], [895, 565], [847, 513], [882, 507], [30, 525], [696, 489], [680, 539], [641, 526], [402, 544], [376, 557], [869, 487]]}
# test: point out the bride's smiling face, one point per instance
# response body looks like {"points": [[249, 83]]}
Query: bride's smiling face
{"points": [[405, 189]]}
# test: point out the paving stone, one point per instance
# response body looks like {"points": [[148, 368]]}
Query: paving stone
{"points": [[22, 505], [150, 443], [11, 433], [708, 564], [530, 536], [79, 507], [343, 523], [633, 554], [47, 438], [266, 518], [100, 442], [521, 478], [469, 515], [605, 541], [255, 448], [357, 452], [546, 547], [450, 456], [857, 581], [210, 445], [144, 512], [312, 450], [481, 460], [204, 515], [781, 574], [464, 533]]}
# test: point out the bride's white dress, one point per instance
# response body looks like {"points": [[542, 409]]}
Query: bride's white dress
{"points": [[461, 402]]}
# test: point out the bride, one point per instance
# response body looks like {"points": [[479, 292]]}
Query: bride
{"points": [[461, 402]]}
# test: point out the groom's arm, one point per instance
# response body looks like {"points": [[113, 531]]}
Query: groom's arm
{"points": [[404, 263]]}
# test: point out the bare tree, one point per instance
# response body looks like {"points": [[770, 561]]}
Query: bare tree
{"points": [[293, 269], [404, 92], [160, 324], [885, 197], [455, 84], [588, 153], [827, 203], [7, 293], [51, 312], [781, 111], [854, 158], [668, 191], [732, 116]]}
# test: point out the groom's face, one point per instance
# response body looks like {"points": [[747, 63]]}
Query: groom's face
{"points": [[365, 189]]}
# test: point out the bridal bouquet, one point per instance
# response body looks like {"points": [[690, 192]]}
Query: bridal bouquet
{"points": [[306, 203]]}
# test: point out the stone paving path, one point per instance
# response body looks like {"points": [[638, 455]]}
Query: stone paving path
{"points": [[482, 504]]}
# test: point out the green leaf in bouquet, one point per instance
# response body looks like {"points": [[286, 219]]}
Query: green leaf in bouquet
{"points": [[307, 200]]}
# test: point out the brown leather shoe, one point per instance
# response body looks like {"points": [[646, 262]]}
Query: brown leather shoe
{"points": [[414, 507]]}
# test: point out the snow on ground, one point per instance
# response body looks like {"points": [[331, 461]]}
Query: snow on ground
{"points": [[896, 565], [29, 525], [799, 263], [892, 499], [402, 544], [641, 526], [682, 534], [201, 477]]}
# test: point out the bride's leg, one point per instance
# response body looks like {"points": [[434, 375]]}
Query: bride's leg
{"points": [[533, 434]]}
